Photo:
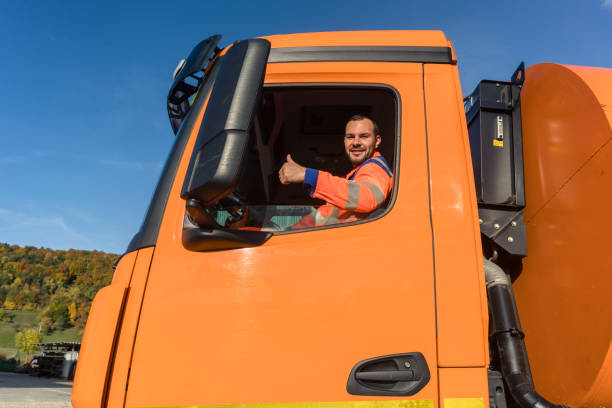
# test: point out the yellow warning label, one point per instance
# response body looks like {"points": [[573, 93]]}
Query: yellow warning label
{"points": [[338, 404], [463, 403], [498, 143]]}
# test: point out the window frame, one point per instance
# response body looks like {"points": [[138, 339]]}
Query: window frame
{"points": [[396, 147]]}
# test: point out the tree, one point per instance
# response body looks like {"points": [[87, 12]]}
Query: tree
{"points": [[61, 316], [73, 312], [6, 316], [24, 341], [9, 305], [60, 284]]}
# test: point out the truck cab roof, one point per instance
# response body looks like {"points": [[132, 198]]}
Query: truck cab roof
{"points": [[360, 38]]}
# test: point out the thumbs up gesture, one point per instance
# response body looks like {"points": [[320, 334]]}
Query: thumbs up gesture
{"points": [[291, 172]]}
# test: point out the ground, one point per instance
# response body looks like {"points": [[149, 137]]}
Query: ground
{"points": [[26, 391]]}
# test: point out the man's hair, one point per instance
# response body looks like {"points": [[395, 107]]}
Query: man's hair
{"points": [[362, 117]]}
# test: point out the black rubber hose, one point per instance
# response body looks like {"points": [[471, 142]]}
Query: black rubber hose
{"points": [[508, 339]]}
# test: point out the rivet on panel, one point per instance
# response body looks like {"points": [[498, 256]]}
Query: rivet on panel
{"points": [[496, 226], [510, 239], [513, 223]]}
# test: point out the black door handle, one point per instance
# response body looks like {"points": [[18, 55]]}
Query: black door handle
{"points": [[385, 376], [397, 374]]}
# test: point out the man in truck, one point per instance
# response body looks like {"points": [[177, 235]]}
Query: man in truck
{"points": [[354, 196]]}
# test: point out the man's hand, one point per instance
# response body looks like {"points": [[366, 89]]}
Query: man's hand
{"points": [[291, 172]]}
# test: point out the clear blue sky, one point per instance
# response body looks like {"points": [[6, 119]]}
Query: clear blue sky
{"points": [[83, 124]]}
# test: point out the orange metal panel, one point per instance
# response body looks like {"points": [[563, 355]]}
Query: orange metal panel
{"points": [[286, 321], [563, 125], [123, 271], [98, 340], [598, 81], [464, 387], [360, 38], [600, 394], [137, 282], [129, 324], [563, 293], [460, 296]]}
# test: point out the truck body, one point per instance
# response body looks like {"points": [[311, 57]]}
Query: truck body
{"points": [[388, 311]]}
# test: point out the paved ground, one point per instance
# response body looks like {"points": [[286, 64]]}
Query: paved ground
{"points": [[26, 391]]}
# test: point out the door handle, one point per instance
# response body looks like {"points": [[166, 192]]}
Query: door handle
{"points": [[396, 374], [386, 376]]}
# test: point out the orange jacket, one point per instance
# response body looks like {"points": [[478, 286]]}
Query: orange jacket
{"points": [[350, 198]]}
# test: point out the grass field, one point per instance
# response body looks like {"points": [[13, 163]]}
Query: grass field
{"points": [[26, 320], [71, 334], [23, 320], [8, 352]]}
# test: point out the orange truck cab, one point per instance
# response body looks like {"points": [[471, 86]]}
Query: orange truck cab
{"points": [[219, 302]]}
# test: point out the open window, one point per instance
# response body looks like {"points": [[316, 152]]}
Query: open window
{"points": [[234, 195], [307, 122]]}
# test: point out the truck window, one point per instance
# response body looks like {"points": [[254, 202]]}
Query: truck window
{"points": [[307, 122]]}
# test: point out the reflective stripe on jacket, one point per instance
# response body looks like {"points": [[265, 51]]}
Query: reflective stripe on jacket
{"points": [[350, 198]]}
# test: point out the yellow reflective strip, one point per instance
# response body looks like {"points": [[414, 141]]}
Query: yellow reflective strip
{"points": [[318, 217], [339, 404], [378, 195], [195, 95], [333, 218], [353, 196], [463, 403]]}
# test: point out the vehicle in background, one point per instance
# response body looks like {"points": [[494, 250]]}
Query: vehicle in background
{"points": [[57, 359]]}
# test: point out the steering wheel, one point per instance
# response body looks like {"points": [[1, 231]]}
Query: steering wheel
{"points": [[237, 208], [241, 213]]}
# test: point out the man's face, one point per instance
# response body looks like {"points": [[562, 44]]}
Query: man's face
{"points": [[360, 141]]}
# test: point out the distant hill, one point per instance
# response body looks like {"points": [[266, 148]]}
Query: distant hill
{"points": [[55, 286]]}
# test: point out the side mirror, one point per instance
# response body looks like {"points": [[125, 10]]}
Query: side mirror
{"points": [[189, 70], [222, 141]]}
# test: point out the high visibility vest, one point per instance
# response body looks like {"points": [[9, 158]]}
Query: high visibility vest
{"points": [[350, 198]]}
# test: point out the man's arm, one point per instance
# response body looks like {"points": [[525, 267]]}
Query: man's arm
{"points": [[366, 192]]}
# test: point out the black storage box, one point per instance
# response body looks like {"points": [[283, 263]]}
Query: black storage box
{"points": [[493, 113], [494, 125]]}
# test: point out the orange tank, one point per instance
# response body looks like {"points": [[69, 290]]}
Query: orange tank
{"points": [[563, 293]]}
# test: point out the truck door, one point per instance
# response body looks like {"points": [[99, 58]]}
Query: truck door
{"points": [[290, 317]]}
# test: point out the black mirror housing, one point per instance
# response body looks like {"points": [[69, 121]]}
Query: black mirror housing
{"points": [[181, 90], [222, 142]]}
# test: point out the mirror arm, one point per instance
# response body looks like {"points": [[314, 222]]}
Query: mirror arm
{"points": [[199, 215], [212, 239]]}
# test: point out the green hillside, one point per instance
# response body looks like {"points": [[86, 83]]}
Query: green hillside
{"points": [[50, 290], [21, 320]]}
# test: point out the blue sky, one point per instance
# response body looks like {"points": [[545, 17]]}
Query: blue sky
{"points": [[83, 124]]}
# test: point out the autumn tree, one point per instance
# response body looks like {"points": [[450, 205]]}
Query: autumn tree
{"points": [[25, 340], [59, 284]]}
